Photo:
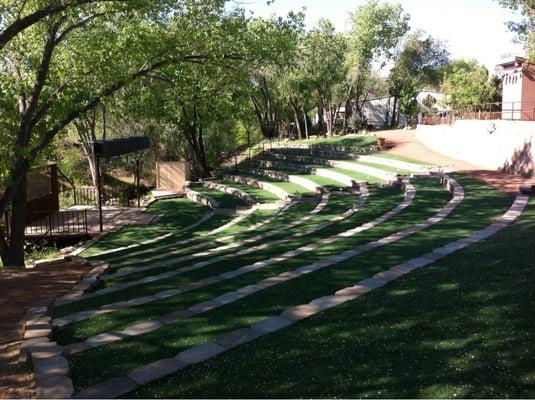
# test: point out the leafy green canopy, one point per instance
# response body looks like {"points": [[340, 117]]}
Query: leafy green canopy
{"points": [[466, 83]]}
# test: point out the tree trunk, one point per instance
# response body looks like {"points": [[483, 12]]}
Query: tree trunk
{"points": [[347, 114], [394, 112], [297, 121], [321, 120], [15, 250]]}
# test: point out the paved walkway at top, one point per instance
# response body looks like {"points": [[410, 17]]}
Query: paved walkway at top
{"points": [[406, 144]]}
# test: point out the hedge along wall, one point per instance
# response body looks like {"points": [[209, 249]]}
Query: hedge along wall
{"points": [[495, 145]]}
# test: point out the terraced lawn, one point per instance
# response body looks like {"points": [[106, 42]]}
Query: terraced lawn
{"points": [[260, 195], [352, 141], [460, 327], [176, 214], [426, 206], [225, 200], [288, 187]]}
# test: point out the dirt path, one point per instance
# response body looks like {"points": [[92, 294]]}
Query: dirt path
{"points": [[404, 143]]}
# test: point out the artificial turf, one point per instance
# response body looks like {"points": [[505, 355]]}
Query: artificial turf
{"points": [[176, 214], [225, 200], [427, 205], [351, 141], [90, 303], [288, 187], [332, 209], [459, 328], [167, 341], [260, 195]]}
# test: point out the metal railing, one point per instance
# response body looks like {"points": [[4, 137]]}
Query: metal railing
{"points": [[85, 195], [509, 111], [51, 224]]}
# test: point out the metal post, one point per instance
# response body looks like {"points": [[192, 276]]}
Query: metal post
{"points": [[99, 194], [50, 224], [137, 183], [6, 216]]}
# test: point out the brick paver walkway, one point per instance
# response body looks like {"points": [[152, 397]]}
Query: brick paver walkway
{"points": [[45, 283], [406, 144]]}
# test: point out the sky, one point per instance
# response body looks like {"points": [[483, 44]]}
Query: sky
{"points": [[471, 28]]}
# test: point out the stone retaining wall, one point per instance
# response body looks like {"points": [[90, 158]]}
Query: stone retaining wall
{"points": [[336, 176], [246, 198], [280, 165], [261, 185], [200, 198]]}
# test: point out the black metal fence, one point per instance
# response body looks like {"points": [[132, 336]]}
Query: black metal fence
{"points": [[51, 224], [85, 195], [510, 111]]}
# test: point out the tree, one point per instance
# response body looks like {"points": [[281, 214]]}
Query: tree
{"points": [[526, 28], [418, 64], [324, 53], [66, 64], [376, 31], [466, 83]]}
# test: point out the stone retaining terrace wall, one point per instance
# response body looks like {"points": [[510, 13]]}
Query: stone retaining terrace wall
{"points": [[255, 183], [246, 198], [200, 198]]}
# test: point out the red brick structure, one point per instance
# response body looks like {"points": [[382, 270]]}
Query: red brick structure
{"points": [[518, 101]]}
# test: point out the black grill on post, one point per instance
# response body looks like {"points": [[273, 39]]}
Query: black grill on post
{"points": [[113, 148]]}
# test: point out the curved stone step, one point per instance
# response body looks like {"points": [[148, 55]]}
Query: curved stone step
{"points": [[200, 198], [245, 197]]}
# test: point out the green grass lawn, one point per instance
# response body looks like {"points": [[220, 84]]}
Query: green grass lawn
{"points": [[350, 140], [462, 327], [283, 220], [176, 215], [319, 180], [382, 167], [401, 158], [288, 187], [432, 197], [169, 340], [260, 195]]}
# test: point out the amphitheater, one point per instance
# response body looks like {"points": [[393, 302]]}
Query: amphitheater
{"points": [[308, 271]]}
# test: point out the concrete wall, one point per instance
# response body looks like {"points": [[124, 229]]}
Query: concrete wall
{"points": [[495, 145]]}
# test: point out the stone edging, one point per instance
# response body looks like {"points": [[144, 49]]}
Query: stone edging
{"points": [[80, 316], [200, 198], [259, 184], [204, 218], [51, 368], [245, 197], [119, 386]]}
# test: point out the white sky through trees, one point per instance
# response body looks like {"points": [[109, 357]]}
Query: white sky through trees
{"points": [[471, 28]]}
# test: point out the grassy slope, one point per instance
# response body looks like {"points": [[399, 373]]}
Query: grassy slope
{"points": [[225, 200], [353, 141], [176, 337], [288, 187], [294, 212], [461, 327], [176, 214], [260, 195]]}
